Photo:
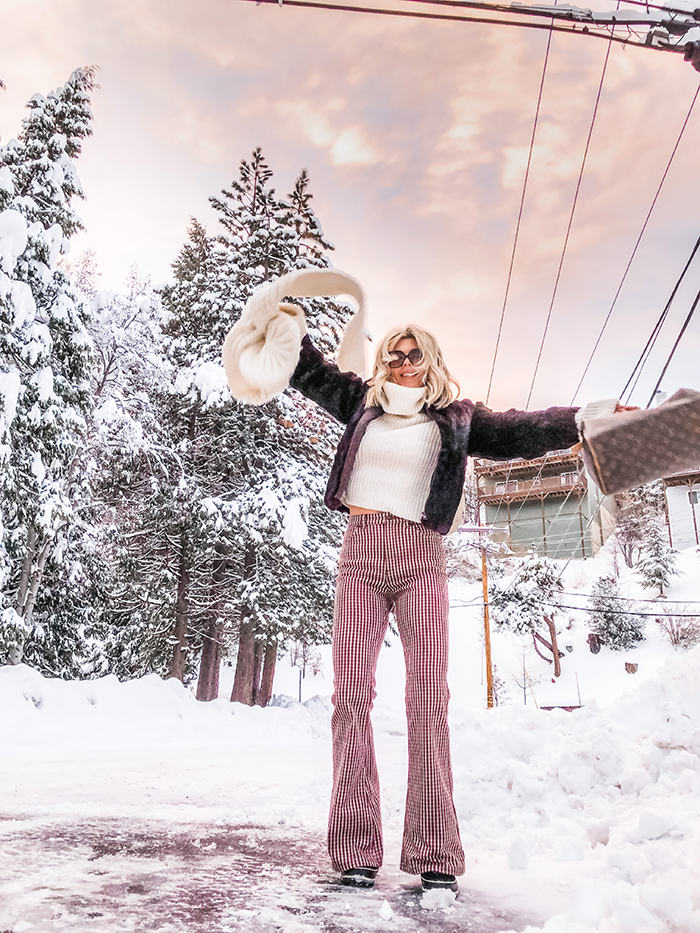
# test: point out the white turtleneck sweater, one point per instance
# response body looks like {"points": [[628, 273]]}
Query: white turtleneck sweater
{"points": [[397, 457]]}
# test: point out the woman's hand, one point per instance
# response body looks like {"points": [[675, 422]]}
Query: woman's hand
{"points": [[621, 407]]}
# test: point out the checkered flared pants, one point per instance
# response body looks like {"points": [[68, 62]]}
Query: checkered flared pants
{"points": [[389, 563]]}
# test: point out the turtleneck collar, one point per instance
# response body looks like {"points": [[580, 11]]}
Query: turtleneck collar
{"points": [[402, 400]]}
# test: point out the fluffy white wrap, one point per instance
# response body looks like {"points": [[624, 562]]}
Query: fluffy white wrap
{"points": [[261, 350]]}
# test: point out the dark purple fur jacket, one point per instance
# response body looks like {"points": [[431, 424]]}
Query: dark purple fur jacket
{"points": [[466, 430]]}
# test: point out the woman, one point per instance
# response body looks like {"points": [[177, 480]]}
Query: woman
{"points": [[399, 471]]}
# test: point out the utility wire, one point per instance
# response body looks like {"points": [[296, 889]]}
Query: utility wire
{"points": [[636, 245], [626, 612], [519, 9], [520, 214], [577, 27], [571, 220], [675, 347], [646, 352]]}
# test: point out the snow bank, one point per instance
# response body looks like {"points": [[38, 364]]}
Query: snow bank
{"points": [[606, 802], [105, 713]]}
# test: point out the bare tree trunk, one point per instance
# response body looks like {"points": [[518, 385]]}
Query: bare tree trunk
{"points": [[177, 665], [555, 646], [243, 681], [37, 577], [26, 572], [208, 680], [258, 652], [268, 674]]}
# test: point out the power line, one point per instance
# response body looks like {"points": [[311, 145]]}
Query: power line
{"points": [[675, 347], [641, 599], [646, 352], [636, 245], [571, 220], [520, 214], [579, 28], [626, 612], [519, 9]]}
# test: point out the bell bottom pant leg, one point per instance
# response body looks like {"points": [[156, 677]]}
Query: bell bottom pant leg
{"points": [[354, 824], [388, 562], [431, 839]]}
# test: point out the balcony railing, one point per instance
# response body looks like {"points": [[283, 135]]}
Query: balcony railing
{"points": [[492, 493]]}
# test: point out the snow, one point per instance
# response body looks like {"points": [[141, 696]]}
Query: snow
{"points": [[23, 303], [294, 528], [210, 379], [13, 239], [6, 182], [131, 806], [10, 384], [43, 380]]}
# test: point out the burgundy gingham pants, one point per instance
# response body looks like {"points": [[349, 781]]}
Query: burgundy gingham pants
{"points": [[389, 563]]}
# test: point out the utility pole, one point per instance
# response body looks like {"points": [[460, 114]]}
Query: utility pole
{"points": [[487, 629], [481, 531]]}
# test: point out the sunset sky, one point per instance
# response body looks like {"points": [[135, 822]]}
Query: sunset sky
{"points": [[415, 136]]}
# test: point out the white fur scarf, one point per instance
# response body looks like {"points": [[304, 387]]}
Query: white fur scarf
{"points": [[261, 350]]}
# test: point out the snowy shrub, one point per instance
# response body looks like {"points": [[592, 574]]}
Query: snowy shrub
{"points": [[463, 562], [681, 626], [528, 602], [610, 621]]}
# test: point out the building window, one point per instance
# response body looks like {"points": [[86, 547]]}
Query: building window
{"points": [[694, 496], [511, 486]]}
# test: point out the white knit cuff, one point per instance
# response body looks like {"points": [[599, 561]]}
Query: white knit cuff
{"points": [[262, 348], [258, 363], [598, 409]]}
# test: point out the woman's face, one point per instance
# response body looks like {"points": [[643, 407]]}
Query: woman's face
{"points": [[408, 374]]}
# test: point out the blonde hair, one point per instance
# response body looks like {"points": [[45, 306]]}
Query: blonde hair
{"points": [[441, 387]]}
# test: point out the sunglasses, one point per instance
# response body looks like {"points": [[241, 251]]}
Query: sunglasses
{"points": [[413, 356]]}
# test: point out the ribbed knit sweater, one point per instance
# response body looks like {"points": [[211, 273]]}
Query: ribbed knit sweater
{"points": [[397, 457]]}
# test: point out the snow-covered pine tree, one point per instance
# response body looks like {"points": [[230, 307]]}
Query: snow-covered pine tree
{"points": [[610, 620], [529, 600], [657, 559], [135, 484], [637, 508], [44, 355], [258, 467]]}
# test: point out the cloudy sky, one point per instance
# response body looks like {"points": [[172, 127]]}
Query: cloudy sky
{"points": [[416, 136]]}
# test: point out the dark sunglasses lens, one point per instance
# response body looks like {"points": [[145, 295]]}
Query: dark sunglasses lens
{"points": [[413, 356]]}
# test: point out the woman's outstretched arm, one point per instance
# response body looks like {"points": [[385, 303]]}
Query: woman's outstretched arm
{"points": [[504, 435], [339, 393]]}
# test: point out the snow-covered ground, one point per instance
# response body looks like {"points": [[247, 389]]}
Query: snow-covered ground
{"points": [[130, 807]]}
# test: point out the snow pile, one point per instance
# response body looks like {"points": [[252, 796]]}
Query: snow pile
{"points": [[607, 802], [104, 713]]}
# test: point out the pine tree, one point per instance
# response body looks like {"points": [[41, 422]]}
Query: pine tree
{"points": [[657, 559], [637, 508], [257, 469], [44, 352], [529, 601], [610, 621]]}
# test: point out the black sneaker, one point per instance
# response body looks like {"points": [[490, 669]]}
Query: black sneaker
{"points": [[437, 881], [359, 877]]}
